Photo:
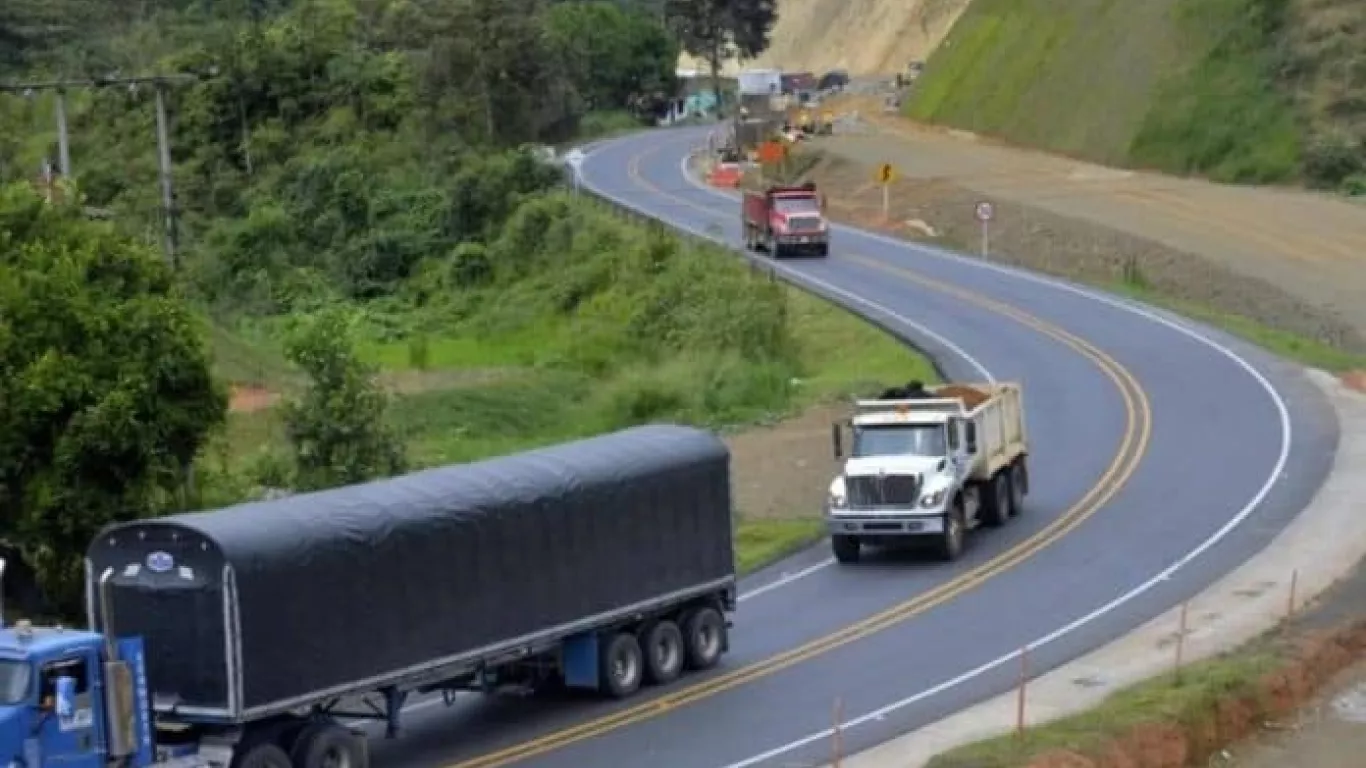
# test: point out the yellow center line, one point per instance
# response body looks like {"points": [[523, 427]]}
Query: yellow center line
{"points": [[1133, 446]]}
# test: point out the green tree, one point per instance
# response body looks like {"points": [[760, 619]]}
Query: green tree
{"points": [[105, 384], [613, 55], [338, 427], [716, 30]]}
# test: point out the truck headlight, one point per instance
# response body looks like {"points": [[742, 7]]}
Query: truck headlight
{"points": [[932, 500], [837, 501]]}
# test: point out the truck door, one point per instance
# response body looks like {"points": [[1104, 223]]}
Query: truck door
{"points": [[70, 738]]}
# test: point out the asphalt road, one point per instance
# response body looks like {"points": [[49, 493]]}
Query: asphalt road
{"points": [[1163, 454]]}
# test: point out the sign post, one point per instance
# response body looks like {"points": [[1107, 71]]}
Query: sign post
{"points": [[984, 212], [886, 174]]}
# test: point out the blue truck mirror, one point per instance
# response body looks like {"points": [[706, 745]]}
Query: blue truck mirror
{"points": [[66, 696]]}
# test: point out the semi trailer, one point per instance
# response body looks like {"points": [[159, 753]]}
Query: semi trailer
{"points": [[928, 464], [255, 636]]}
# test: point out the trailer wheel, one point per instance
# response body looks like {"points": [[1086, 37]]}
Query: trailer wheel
{"points": [[619, 666], [263, 755], [847, 549], [996, 500], [951, 540], [662, 643], [327, 745], [1019, 485], [704, 638]]}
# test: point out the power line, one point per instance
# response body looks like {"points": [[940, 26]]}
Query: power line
{"points": [[170, 215]]}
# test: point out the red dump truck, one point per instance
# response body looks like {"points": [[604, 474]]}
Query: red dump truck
{"points": [[785, 220]]}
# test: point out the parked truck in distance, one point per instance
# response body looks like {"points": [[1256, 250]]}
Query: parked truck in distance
{"points": [[785, 220], [249, 637], [928, 464]]}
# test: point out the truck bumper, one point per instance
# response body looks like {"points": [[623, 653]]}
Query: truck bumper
{"points": [[802, 245], [885, 525]]}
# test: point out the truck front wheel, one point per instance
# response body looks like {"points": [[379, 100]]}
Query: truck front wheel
{"points": [[847, 549], [951, 540], [327, 745], [619, 666], [704, 637], [263, 755]]}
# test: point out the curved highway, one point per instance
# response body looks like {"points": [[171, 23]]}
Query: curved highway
{"points": [[1163, 454]]}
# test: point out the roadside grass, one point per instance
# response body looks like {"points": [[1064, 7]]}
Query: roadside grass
{"points": [[1309, 352], [487, 387], [1187, 698]]}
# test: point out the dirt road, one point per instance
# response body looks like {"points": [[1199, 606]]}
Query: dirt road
{"points": [[1310, 248]]}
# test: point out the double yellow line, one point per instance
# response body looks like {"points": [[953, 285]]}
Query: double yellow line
{"points": [[1133, 445]]}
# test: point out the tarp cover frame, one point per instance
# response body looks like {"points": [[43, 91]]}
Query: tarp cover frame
{"points": [[363, 585]]}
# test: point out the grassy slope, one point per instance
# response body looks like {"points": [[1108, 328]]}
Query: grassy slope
{"points": [[482, 395], [1185, 86]]}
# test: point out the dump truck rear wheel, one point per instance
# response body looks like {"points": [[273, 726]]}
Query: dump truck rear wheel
{"points": [[1019, 483], [264, 755], [662, 643], [996, 500], [704, 638], [326, 745], [847, 549], [620, 666]]}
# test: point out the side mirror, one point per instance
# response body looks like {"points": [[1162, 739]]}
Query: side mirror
{"points": [[66, 696], [971, 436], [837, 440]]}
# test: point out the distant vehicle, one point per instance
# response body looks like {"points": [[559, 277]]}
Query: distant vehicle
{"points": [[785, 220], [246, 637], [834, 80], [929, 464]]}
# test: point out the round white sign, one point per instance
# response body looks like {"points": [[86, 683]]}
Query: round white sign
{"points": [[984, 211]]}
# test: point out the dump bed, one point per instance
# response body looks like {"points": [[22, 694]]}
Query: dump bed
{"points": [[805, 203], [253, 609], [997, 410]]}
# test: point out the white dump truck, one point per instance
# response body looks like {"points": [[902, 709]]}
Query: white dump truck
{"points": [[934, 464]]}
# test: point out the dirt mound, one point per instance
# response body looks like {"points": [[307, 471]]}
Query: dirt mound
{"points": [[1195, 737], [250, 399], [865, 37]]}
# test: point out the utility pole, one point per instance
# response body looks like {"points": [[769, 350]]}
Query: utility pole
{"points": [[169, 214], [160, 83], [63, 141]]}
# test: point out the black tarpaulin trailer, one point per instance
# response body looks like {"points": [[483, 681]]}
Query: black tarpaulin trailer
{"points": [[260, 608]]}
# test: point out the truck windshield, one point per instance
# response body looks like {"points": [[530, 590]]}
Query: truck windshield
{"points": [[900, 440], [14, 677], [788, 205]]}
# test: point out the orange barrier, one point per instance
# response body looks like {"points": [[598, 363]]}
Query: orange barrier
{"points": [[725, 175]]}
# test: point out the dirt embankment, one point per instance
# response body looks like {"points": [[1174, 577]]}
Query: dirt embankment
{"points": [[1200, 734], [865, 37], [936, 210]]}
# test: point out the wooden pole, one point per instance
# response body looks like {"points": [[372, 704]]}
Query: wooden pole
{"points": [[1020, 696], [1294, 584], [1181, 639], [837, 735]]}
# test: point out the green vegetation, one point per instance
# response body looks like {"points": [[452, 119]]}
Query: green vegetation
{"points": [[1185, 699], [365, 236], [1236, 90]]}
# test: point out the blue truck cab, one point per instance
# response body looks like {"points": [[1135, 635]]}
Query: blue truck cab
{"points": [[66, 701]]}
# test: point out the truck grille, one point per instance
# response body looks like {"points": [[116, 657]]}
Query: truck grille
{"points": [[804, 223], [871, 491]]}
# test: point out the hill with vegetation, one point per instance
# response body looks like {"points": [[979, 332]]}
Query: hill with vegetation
{"points": [[1258, 91], [368, 242]]}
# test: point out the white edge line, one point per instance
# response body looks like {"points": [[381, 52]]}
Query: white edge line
{"points": [[1282, 458]]}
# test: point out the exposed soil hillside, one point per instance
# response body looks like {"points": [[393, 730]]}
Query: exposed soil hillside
{"points": [[865, 37], [1239, 90]]}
